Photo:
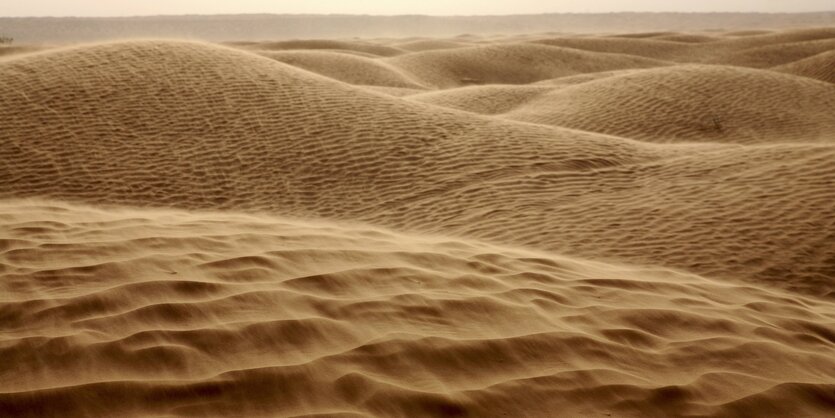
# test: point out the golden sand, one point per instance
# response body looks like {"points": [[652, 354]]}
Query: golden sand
{"points": [[637, 225]]}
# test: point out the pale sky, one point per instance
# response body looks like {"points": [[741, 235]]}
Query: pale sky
{"points": [[430, 7]]}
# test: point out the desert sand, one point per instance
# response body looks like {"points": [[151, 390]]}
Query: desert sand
{"points": [[519, 225]]}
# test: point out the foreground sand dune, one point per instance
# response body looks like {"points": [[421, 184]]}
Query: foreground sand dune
{"points": [[509, 64], [185, 227], [157, 313]]}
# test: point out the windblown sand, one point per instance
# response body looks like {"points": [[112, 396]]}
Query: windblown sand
{"points": [[636, 225]]}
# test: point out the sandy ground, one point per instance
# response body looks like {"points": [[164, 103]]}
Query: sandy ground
{"points": [[532, 225]]}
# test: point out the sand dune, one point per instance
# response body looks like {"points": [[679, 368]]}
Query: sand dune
{"points": [[331, 45], [486, 100], [509, 64], [350, 69], [820, 66], [430, 45], [788, 36], [603, 226], [744, 33], [755, 49], [224, 128], [774, 55], [142, 312], [693, 103], [687, 38], [582, 78], [647, 48]]}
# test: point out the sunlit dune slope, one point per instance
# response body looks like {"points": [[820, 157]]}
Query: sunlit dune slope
{"points": [[347, 68], [755, 49], [694, 103], [647, 48], [774, 54], [363, 48], [514, 63], [128, 312], [487, 100], [820, 67], [193, 229], [430, 45], [241, 130], [234, 130], [688, 38]]}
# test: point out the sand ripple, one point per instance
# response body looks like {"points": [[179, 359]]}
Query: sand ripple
{"points": [[159, 313]]}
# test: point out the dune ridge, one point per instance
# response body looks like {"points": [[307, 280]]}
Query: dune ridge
{"points": [[509, 64], [601, 225], [350, 69], [693, 103]]}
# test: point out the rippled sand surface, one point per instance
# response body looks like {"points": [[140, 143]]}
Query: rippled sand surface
{"points": [[637, 225]]}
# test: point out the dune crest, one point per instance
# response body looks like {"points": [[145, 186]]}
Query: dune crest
{"points": [[509, 64], [820, 67]]}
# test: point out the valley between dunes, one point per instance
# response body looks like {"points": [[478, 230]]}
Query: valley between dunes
{"points": [[531, 225]]}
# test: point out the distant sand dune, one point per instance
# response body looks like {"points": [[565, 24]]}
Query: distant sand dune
{"points": [[820, 66], [687, 38], [320, 44], [774, 55], [350, 69], [757, 50], [509, 64], [486, 100], [694, 103], [430, 45], [647, 48]]}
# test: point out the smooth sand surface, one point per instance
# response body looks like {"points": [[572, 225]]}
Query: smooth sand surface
{"points": [[543, 225]]}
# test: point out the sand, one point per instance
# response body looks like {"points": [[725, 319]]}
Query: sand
{"points": [[538, 225]]}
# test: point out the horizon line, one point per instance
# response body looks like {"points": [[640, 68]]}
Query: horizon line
{"points": [[403, 15]]}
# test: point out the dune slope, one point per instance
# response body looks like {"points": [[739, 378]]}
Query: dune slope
{"points": [[820, 67], [158, 313], [693, 103], [512, 63], [349, 47], [486, 100], [347, 68], [237, 131]]}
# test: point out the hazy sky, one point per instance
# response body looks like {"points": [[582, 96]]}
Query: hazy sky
{"points": [[433, 7]]}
